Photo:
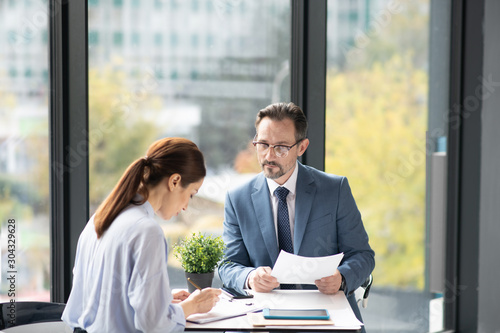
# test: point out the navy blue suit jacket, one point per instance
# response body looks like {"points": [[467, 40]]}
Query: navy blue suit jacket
{"points": [[327, 221]]}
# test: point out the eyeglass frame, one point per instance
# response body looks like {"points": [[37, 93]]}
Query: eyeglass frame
{"points": [[285, 154]]}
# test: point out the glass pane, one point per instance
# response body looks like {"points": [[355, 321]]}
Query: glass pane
{"points": [[196, 69], [384, 129], [24, 152]]}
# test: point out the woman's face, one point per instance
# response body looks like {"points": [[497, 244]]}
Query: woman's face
{"points": [[176, 198]]}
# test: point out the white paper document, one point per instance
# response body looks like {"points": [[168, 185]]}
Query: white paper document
{"points": [[291, 268], [225, 309]]}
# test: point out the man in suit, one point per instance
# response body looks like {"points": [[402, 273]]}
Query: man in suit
{"points": [[320, 214]]}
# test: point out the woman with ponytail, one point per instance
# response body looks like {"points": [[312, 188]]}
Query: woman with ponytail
{"points": [[120, 279]]}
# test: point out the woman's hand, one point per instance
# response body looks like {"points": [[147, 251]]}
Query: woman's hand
{"points": [[200, 301], [180, 296]]}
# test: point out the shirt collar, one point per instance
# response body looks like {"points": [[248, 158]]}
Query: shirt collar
{"points": [[290, 184], [146, 205], [149, 209]]}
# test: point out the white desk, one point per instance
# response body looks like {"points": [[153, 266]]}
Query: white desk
{"points": [[338, 306]]}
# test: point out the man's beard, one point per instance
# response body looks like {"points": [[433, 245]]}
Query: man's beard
{"points": [[269, 173]]}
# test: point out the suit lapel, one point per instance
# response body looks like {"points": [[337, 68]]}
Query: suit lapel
{"points": [[263, 211], [306, 190]]}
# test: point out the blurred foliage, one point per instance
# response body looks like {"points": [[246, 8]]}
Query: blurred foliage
{"points": [[376, 137], [14, 201], [24, 194], [24, 191], [396, 28], [246, 161], [37, 151], [7, 101], [376, 124], [118, 131]]}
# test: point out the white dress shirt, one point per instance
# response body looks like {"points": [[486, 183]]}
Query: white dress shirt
{"points": [[120, 281]]}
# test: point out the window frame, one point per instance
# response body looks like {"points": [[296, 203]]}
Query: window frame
{"points": [[68, 104], [308, 73]]}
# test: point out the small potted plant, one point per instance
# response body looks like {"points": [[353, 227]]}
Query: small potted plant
{"points": [[199, 256]]}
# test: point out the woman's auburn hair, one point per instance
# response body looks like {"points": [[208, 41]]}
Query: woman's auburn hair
{"points": [[164, 158]]}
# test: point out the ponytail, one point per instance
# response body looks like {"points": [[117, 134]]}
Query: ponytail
{"points": [[164, 158], [121, 196]]}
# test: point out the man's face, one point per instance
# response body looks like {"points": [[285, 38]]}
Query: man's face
{"points": [[274, 132]]}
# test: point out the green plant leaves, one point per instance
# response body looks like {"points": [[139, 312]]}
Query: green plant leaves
{"points": [[200, 253]]}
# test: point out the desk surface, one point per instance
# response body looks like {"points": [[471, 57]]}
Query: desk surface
{"points": [[338, 306]]}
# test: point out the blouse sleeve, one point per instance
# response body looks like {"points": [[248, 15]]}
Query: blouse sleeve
{"points": [[149, 288]]}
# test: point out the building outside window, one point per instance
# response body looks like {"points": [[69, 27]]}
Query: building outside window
{"points": [[24, 152], [211, 96]]}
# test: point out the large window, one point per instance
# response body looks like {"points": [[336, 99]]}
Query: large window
{"points": [[196, 69], [385, 131], [24, 152], [215, 63]]}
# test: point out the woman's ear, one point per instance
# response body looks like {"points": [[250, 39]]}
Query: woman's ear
{"points": [[174, 181]]}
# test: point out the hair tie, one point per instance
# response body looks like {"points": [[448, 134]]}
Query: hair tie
{"points": [[147, 160]]}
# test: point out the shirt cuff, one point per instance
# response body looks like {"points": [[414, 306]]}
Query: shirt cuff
{"points": [[177, 314], [247, 280]]}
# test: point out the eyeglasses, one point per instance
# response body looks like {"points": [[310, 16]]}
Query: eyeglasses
{"points": [[279, 150]]}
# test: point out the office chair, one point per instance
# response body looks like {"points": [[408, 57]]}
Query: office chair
{"points": [[361, 294], [27, 313]]}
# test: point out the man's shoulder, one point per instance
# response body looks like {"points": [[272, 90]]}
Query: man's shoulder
{"points": [[320, 176], [248, 186]]}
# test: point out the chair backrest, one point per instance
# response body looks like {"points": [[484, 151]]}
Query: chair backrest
{"points": [[23, 313], [361, 294], [46, 327]]}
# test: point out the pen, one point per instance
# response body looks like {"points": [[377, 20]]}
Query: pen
{"points": [[223, 292], [194, 284]]}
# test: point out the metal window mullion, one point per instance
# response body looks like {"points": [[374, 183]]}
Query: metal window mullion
{"points": [[464, 152], [308, 72], [68, 138]]}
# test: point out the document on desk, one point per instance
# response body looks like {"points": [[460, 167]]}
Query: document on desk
{"points": [[291, 268], [257, 319], [225, 309]]}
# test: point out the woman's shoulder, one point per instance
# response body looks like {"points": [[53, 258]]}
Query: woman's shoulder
{"points": [[136, 220]]}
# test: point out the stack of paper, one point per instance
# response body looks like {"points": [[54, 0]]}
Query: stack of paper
{"points": [[258, 320]]}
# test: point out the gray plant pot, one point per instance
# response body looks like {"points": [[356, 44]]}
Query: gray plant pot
{"points": [[204, 280]]}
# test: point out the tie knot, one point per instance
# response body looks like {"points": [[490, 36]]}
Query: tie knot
{"points": [[281, 192]]}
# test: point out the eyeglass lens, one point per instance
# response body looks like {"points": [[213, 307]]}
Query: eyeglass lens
{"points": [[280, 151]]}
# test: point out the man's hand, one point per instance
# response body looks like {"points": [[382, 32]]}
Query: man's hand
{"points": [[261, 280], [330, 284]]}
